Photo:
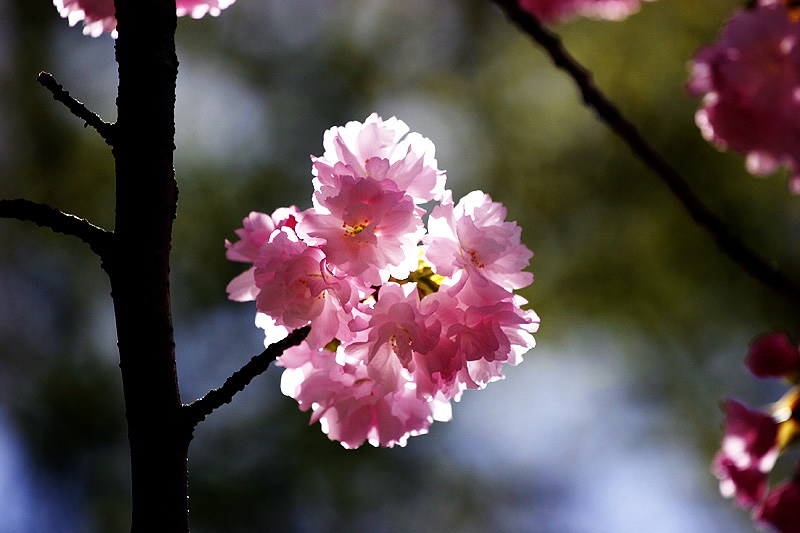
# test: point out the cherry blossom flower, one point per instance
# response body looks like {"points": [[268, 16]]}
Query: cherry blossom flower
{"points": [[773, 355], [382, 150], [474, 345], [256, 231], [394, 333], [753, 440], [781, 509], [98, 16], [388, 350], [365, 229], [750, 81], [748, 453], [350, 404], [257, 228], [472, 243], [747, 486], [561, 10], [200, 8], [295, 288]]}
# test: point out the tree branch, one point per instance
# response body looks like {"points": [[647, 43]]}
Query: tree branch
{"points": [[105, 129], [98, 239], [767, 272], [197, 411]]}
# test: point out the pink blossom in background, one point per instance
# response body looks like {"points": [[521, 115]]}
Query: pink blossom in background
{"points": [[561, 10], [200, 8], [753, 440], [750, 437], [98, 15], [747, 486], [388, 350], [781, 509], [749, 450], [750, 81], [773, 355]]}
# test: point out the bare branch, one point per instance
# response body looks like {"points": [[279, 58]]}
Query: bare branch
{"points": [[197, 411], [98, 239], [767, 272], [105, 129]]}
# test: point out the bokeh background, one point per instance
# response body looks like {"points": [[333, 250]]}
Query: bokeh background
{"points": [[610, 423]]}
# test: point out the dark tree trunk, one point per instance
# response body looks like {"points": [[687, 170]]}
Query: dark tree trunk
{"points": [[139, 264]]}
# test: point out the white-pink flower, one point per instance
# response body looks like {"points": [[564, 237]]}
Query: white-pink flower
{"points": [[256, 231], [350, 405], [295, 287], [257, 228], [750, 80], [388, 350], [474, 345], [561, 10], [98, 16], [200, 8], [382, 150], [394, 333], [474, 245], [365, 229]]}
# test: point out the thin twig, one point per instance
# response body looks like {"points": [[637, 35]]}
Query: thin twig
{"points": [[761, 269], [98, 239], [197, 411], [105, 129]]}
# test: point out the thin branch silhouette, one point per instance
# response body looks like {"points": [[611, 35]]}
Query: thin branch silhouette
{"points": [[90, 118], [765, 271], [98, 239], [197, 411]]}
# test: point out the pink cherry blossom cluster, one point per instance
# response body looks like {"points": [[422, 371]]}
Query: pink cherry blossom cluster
{"points": [[750, 81], [754, 439], [561, 10], [98, 15], [403, 320]]}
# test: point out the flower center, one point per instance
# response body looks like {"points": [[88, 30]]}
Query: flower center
{"points": [[473, 258], [401, 346]]}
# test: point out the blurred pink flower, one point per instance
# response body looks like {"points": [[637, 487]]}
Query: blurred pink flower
{"points": [[781, 509], [747, 486], [98, 15], [773, 355], [750, 81], [561, 10], [200, 8], [749, 450]]}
